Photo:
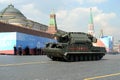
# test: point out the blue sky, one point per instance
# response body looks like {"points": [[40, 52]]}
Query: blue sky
{"points": [[73, 15]]}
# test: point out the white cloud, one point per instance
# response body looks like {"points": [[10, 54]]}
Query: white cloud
{"points": [[96, 1], [104, 22], [6, 1], [31, 12], [91, 1], [77, 19], [61, 14], [30, 8], [80, 1], [72, 20]]}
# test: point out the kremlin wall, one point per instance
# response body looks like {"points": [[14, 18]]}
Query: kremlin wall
{"points": [[18, 31]]}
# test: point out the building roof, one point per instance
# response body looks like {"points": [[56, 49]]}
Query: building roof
{"points": [[11, 12], [11, 15]]}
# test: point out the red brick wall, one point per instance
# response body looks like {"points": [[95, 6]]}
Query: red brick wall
{"points": [[13, 28]]}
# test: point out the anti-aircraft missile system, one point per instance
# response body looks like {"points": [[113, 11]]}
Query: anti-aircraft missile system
{"points": [[74, 46]]}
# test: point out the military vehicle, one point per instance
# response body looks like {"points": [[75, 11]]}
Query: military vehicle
{"points": [[74, 46]]}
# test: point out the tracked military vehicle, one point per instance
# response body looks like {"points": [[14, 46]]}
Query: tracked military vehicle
{"points": [[74, 46]]}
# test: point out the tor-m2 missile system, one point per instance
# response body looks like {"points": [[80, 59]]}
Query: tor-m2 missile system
{"points": [[74, 46]]}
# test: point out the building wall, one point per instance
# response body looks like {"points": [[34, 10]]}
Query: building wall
{"points": [[10, 39], [108, 41], [7, 40], [31, 40]]}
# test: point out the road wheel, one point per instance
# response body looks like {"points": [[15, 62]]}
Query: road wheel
{"points": [[81, 58], [93, 57], [85, 58], [71, 58], [89, 57], [76, 58]]}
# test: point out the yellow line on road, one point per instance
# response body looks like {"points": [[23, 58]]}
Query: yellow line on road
{"points": [[104, 76], [26, 63]]}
